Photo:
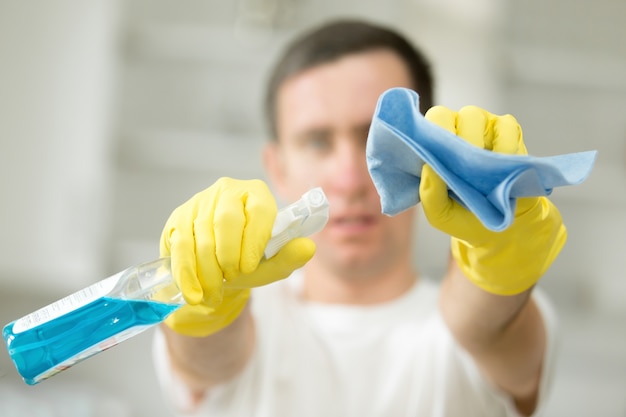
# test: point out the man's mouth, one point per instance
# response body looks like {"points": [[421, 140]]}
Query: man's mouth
{"points": [[353, 221]]}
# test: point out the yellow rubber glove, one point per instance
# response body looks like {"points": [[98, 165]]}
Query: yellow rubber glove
{"points": [[506, 262], [216, 242]]}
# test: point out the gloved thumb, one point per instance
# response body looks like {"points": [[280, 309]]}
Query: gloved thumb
{"points": [[294, 255]]}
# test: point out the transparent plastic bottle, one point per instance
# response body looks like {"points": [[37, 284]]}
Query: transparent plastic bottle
{"points": [[72, 329]]}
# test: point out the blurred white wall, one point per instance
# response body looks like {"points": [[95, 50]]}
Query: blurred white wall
{"points": [[57, 66], [58, 85], [113, 113]]}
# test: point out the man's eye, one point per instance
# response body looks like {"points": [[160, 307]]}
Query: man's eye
{"points": [[319, 143]]}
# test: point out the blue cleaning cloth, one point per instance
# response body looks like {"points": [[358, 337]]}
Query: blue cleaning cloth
{"points": [[401, 141]]}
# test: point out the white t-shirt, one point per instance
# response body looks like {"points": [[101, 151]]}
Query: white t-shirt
{"points": [[391, 359]]}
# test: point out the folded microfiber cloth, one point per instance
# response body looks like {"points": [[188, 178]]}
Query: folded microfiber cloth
{"points": [[401, 141]]}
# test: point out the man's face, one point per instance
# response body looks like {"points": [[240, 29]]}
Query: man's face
{"points": [[323, 118]]}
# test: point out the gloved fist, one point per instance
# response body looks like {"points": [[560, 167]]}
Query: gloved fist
{"points": [[216, 242], [506, 262]]}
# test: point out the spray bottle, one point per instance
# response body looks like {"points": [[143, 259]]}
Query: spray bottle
{"points": [[74, 328]]}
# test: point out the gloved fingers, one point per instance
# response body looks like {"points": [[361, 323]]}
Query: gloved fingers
{"points": [[183, 264], [437, 205], [294, 255], [527, 204], [243, 220], [177, 241], [260, 212], [228, 223], [443, 212], [474, 125], [449, 120], [501, 134], [507, 136], [209, 273], [171, 225]]}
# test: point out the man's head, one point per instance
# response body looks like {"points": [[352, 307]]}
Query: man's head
{"points": [[322, 100], [335, 40]]}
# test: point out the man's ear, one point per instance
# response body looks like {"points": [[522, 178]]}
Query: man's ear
{"points": [[274, 164]]}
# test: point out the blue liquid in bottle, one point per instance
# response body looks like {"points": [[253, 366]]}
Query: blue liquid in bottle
{"points": [[49, 348]]}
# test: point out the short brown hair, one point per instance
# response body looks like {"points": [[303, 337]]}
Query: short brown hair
{"points": [[336, 39]]}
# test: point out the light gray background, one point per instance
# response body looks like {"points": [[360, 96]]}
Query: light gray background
{"points": [[114, 112]]}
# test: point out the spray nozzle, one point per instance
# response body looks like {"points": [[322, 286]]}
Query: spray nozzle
{"points": [[301, 218]]}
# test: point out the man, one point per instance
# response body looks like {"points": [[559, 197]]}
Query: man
{"points": [[355, 330]]}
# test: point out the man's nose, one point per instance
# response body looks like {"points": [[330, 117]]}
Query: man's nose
{"points": [[349, 171]]}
